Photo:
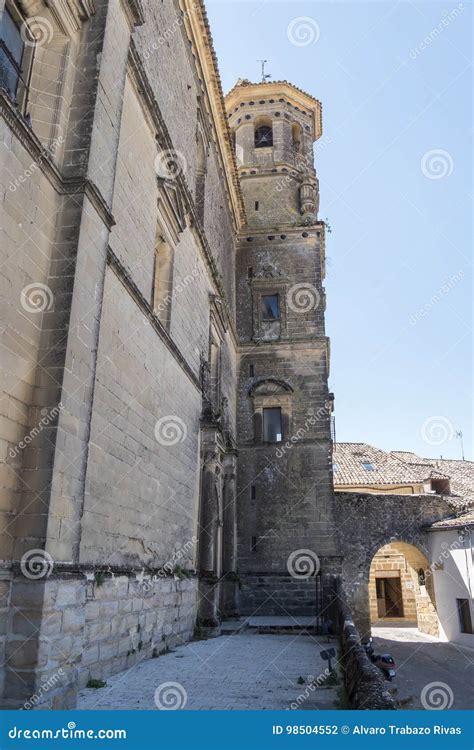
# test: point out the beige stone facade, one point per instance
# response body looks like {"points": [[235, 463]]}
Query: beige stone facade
{"points": [[131, 420]]}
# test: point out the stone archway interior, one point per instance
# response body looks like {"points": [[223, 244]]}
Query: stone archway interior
{"points": [[401, 588]]}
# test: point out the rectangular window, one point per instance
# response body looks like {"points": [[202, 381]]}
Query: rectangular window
{"points": [[270, 307], [253, 544], [253, 492], [256, 205], [464, 612], [251, 371], [368, 466], [272, 425], [11, 54]]}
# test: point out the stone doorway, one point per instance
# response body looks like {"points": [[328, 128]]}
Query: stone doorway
{"points": [[388, 590], [401, 588]]}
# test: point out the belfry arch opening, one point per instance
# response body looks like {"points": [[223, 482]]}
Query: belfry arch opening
{"points": [[401, 590]]}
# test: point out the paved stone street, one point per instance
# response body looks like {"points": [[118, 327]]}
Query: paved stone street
{"points": [[422, 660], [247, 671]]}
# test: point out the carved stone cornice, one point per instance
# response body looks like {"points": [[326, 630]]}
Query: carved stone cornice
{"points": [[156, 122], [133, 11], [68, 14], [196, 26], [41, 157]]}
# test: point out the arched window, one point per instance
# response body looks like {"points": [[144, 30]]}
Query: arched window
{"points": [[201, 169], [163, 281], [296, 134], [263, 136]]}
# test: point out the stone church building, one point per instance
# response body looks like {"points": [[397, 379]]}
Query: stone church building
{"points": [[165, 425]]}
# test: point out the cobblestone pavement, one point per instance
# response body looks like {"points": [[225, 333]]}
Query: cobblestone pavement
{"points": [[247, 671], [429, 671]]}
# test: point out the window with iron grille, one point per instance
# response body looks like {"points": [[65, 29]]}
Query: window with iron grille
{"points": [[12, 49]]}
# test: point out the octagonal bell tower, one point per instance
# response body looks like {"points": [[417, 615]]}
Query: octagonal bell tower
{"points": [[274, 126], [285, 512]]}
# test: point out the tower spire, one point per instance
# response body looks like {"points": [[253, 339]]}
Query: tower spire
{"points": [[265, 76]]}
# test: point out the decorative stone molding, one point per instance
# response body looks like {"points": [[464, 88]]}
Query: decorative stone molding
{"points": [[42, 158], [68, 14], [134, 13]]}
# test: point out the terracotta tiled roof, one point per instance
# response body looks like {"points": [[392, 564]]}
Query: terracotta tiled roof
{"points": [[245, 82], [362, 464], [461, 473], [399, 468], [465, 519]]}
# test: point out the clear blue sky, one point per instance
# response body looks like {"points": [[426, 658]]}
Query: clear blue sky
{"points": [[395, 80]]}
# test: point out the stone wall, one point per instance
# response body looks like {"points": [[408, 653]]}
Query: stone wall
{"points": [[112, 483], [364, 683], [367, 522]]}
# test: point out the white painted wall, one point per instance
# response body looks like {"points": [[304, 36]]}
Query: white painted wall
{"points": [[453, 574]]}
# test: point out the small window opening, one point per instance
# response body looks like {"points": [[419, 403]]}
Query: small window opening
{"points": [[253, 546], [272, 425], [253, 492], [263, 136], [368, 466], [251, 371], [256, 205], [270, 307], [464, 612]]}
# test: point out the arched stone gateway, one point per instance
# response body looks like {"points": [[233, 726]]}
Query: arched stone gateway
{"points": [[372, 526], [401, 591]]}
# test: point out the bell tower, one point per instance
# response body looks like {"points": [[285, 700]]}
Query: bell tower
{"points": [[287, 550], [274, 126]]}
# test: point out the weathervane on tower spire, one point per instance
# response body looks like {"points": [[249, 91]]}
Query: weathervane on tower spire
{"points": [[265, 76]]}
